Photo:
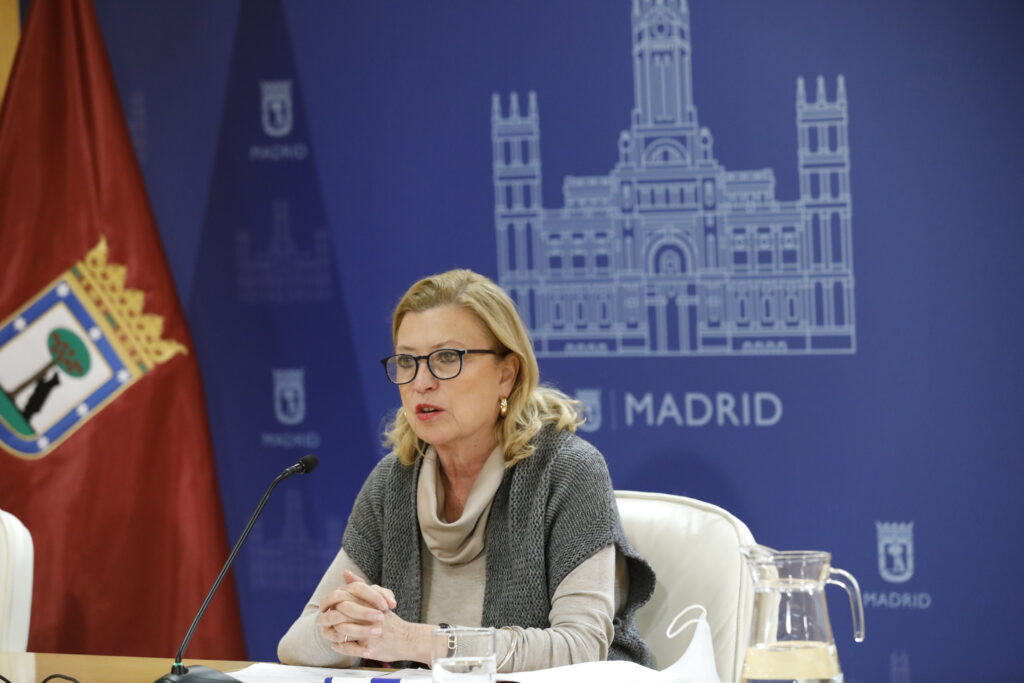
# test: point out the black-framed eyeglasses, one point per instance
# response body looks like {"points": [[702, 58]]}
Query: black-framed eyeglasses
{"points": [[401, 368]]}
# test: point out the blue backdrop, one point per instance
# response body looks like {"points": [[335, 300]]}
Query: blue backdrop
{"points": [[800, 304]]}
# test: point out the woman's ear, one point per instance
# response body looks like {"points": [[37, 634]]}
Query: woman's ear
{"points": [[509, 372]]}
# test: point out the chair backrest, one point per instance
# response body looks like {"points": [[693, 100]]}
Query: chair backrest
{"points": [[694, 549], [16, 557]]}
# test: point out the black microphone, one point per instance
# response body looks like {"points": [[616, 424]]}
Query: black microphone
{"points": [[204, 674]]}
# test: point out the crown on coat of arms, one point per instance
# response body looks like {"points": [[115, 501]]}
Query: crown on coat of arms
{"points": [[894, 530], [137, 334]]}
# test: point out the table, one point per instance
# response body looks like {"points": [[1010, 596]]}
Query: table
{"points": [[32, 667]]}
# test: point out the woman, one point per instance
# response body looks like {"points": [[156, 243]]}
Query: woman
{"points": [[489, 510]]}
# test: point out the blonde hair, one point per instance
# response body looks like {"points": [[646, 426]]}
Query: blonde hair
{"points": [[531, 405]]}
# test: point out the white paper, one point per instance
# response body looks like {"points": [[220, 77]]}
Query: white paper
{"points": [[589, 672], [281, 673]]}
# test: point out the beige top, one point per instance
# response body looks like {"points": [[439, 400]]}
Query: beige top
{"points": [[454, 577]]}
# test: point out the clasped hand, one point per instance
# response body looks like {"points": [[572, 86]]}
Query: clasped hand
{"points": [[358, 620]]}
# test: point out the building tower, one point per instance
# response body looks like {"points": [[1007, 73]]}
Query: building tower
{"points": [[518, 203], [824, 167], [661, 63], [664, 116]]}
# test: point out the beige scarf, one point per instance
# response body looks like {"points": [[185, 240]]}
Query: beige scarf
{"points": [[463, 540]]}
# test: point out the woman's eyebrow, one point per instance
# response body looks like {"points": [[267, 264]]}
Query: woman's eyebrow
{"points": [[446, 344]]}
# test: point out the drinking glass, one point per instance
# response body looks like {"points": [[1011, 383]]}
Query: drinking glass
{"points": [[463, 655]]}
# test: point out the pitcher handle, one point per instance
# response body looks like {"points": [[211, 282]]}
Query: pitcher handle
{"points": [[847, 581]]}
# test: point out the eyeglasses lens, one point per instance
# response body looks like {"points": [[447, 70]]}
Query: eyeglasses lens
{"points": [[444, 364]]}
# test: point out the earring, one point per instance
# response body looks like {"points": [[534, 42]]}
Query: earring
{"points": [[503, 406]]}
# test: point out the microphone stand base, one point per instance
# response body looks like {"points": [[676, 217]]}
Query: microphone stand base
{"points": [[198, 674]]}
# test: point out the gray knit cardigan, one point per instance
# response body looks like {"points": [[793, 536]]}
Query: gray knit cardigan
{"points": [[552, 511]]}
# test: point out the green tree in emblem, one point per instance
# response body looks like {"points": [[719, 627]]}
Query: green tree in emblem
{"points": [[68, 352]]}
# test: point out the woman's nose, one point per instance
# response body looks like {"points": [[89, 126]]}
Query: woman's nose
{"points": [[424, 378]]}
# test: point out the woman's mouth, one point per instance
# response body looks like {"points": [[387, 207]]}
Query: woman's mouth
{"points": [[425, 411]]}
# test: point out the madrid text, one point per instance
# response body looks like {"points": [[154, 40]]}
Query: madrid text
{"points": [[697, 409], [303, 440], [898, 600], [279, 152]]}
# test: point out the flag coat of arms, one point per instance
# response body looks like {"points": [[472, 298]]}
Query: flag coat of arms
{"points": [[70, 351], [105, 453]]}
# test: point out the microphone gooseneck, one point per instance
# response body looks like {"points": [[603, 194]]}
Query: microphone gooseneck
{"points": [[198, 674]]}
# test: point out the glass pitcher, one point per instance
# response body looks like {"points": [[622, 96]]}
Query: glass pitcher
{"points": [[791, 636]]}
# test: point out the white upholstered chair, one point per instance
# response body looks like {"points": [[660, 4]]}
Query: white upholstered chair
{"points": [[694, 549], [16, 557]]}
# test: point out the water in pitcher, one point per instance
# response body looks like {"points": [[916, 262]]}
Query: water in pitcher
{"points": [[792, 661], [464, 670]]}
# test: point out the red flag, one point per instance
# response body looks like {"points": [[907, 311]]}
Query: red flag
{"points": [[105, 453]]}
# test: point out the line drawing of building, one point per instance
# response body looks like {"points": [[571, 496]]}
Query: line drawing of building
{"points": [[670, 253], [899, 667], [284, 273], [294, 559]]}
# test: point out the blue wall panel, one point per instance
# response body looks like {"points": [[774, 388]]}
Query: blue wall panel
{"points": [[309, 160]]}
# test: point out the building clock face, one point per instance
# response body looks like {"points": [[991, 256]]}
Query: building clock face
{"points": [[659, 25]]}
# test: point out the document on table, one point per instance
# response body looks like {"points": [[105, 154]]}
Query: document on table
{"points": [[281, 673], [590, 672]]}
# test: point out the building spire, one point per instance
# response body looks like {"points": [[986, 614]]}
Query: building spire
{"points": [[662, 69]]}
